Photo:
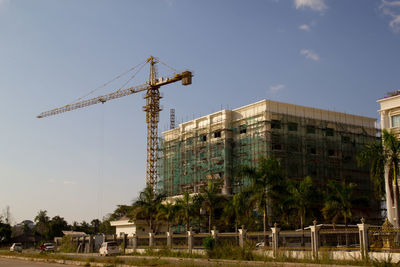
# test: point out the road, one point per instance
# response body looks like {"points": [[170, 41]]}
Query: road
{"points": [[22, 263]]}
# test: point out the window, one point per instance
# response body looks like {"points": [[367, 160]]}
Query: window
{"points": [[242, 129], [277, 147], [331, 152], [275, 124], [396, 121], [217, 134], [312, 150], [203, 137], [292, 126], [345, 139], [329, 132], [310, 129]]}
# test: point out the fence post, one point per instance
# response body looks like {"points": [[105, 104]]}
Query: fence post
{"points": [[134, 241], [315, 239], [214, 234], [151, 238], [242, 236], [169, 239], [363, 231], [125, 241], [275, 239], [190, 240]]}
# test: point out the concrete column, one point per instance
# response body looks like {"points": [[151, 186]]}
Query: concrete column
{"points": [[151, 239], [190, 240], [242, 236], [91, 244], [134, 241], [363, 231], [169, 239], [315, 239], [83, 248], [275, 239]]}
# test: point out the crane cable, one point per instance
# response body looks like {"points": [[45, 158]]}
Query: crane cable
{"points": [[110, 81], [133, 76], [165, 64]]}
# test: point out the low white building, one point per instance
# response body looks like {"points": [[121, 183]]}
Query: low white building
{"points": [[126, 226]]}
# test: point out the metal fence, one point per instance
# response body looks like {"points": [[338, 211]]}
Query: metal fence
{"points": [[363, 238]]}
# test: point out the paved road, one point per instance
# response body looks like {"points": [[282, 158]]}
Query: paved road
{"points": [[22, 263]]}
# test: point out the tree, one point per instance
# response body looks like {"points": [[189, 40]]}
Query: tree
{"points": [[263, 180], [56, 225], [238, 209], [145, 207], [212, 200], [5, 231], [301, 200], [339, 202], [42, 223], [167, 212], [185, 209], [383, 160], [120, 211], [95, 225]]}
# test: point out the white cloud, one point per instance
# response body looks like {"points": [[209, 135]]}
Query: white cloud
{"points": [[305, 27], [276, 88], [392, 9], [317, 5], [309, 54], [68, 182]]}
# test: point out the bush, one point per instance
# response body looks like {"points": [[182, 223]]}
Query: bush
{"points": [[209, 245], [67, 245]]}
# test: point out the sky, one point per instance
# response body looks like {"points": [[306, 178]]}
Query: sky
{"points": [[332, 54]]}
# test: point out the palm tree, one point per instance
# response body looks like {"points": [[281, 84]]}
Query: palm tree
{"points": [[42, 222], [167, 212], [238, 210], [339, 203], [185, 209], [263, 180], [383, 159], [145, 207], [301, 200], [212, 200]]}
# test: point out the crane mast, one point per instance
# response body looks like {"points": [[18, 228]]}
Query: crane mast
{"points": [[152, 109]]}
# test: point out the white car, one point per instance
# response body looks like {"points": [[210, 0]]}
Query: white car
{"points": [[16, 247], [109, 248]]}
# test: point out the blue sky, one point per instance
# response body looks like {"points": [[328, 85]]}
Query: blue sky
{"points": [[337, 55]]}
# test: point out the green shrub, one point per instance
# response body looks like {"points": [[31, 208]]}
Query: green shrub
{"points": [[209, 244], [67, 245]]}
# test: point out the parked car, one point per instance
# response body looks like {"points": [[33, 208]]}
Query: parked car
{"points": [[109, 248], [16, 247], [47, 247]]}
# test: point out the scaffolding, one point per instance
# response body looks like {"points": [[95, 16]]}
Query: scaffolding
{"points": [[321, 146]]}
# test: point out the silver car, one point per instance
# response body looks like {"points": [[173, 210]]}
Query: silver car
{"points": [[16, 247]]}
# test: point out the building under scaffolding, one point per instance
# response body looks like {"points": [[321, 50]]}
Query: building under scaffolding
{"points": [[308, 141]]}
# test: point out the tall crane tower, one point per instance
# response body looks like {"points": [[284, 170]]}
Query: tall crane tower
{"points": [[152, 109]]}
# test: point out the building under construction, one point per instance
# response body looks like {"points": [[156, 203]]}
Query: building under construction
{"points": [[308, 141]]}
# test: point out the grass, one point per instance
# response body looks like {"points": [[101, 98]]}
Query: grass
{"points": [[226, 251]]}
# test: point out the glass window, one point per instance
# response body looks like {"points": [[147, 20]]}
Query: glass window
{"points": [[396, 121], [275, 124], [310, 129], [292, 126], [329, 132]]}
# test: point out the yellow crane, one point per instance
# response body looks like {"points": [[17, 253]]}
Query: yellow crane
{"points": [[152, 109]]}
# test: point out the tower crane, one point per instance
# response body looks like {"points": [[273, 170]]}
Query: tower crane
{"points": [[152, 109]]}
